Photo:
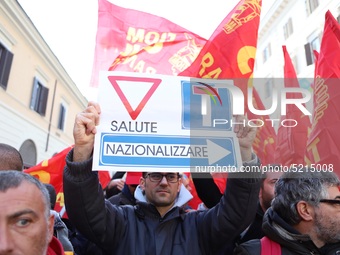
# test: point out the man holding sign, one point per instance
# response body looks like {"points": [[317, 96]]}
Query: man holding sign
{"points": [[157, 224]]}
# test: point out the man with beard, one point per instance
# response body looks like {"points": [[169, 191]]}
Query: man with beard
{"points": [[304, 217]]}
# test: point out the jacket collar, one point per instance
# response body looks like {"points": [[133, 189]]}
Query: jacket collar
{"points": [[281, 232], [183, 196]]}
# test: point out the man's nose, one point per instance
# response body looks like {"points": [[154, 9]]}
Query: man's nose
{"points": [[164, 181], [6, 241]]}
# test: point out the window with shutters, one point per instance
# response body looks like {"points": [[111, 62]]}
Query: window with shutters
{"points": [[62, 117], [311, 5], [288, 29], [310, 47], [39, 97], [6, 58], [268, 88], [266, 53]]}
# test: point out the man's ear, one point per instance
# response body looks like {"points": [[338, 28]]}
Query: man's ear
{"points": [[179, 184], [142, 183], [305, 210], [260, 193], [50, 226]]}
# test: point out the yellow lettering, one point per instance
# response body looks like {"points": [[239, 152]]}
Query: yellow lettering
{"points": [[243, 56], [140, 66], [214, 74], [207, 61], [130, 49], [152, 41], [130, 60], [60, 199], [168, 37], [313, 147], [155, 41], [155, 48], [268, 141], [151, 38], [135, 36], [321, 99], [150, 69]]}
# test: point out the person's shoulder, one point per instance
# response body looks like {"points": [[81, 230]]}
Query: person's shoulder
{"points": [[251, 247], [115, 198]]}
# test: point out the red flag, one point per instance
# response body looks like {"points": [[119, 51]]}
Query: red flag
{"points": [[136, 41], [230, 52], [323, 146], [265, 140], [291, 139], [51, 171]]}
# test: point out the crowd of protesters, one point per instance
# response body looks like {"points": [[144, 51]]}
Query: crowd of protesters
{"points": [[149, 212]]}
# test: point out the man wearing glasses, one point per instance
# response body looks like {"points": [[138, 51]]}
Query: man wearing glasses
{"points": [[304, 217], [157, 224]]}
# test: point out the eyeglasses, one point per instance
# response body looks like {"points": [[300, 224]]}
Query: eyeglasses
{"points": [[157, 177], [330, 201]]}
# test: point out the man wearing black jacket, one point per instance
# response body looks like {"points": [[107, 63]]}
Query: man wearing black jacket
{"points": [[304, 217], [157, 224], [210, 194]]}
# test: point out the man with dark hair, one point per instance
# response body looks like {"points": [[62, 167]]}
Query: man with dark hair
{"points": [[10, 158], [126, 196], [53, 194], [25, 218], [269, 178], [304, 217], [157, 224], [210, 194]]}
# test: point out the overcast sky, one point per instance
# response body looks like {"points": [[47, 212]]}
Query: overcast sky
{"points": [[69, 26]]}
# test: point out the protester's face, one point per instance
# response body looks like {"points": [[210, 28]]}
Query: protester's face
{"points": [[327, 219], [267, 190], [24, 228], [161, 193]]}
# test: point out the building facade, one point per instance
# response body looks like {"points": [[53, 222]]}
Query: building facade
{"points": [[298, 24], [38, 99]]}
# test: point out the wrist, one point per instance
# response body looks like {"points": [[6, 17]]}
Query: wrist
{"points": [[81, 153], [246, 154]]}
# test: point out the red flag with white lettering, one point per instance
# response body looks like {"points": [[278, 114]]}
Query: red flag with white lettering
{"points": [[323, 146], [291, 139], [136, 41]]}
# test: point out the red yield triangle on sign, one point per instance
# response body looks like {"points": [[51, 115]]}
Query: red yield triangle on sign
{"points": [[134, 113]]}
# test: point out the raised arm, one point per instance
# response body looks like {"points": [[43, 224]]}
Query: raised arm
{"points": [[97, 220], [224, 222], [206, 188]]}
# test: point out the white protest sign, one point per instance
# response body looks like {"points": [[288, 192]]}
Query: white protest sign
{"points": [[164, 123]]}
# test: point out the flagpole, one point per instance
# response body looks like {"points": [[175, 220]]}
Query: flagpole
{"points": [[49, 124]]}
